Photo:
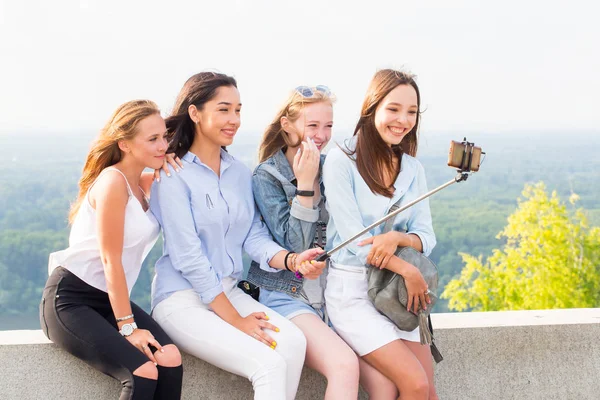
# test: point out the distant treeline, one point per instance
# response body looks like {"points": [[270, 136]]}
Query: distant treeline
{"points": [[39, 178]]}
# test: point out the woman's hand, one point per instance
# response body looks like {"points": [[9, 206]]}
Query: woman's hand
{"points": [[254, 325], [172, 159], [384, 247], [306, 164], [306, 264], [141, 338], [416, 287]]}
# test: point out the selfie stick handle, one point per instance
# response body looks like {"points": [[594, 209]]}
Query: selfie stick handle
{"points": [[462, 176]]}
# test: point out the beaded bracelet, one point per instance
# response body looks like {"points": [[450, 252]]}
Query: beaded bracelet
{"points": [[296, 272], [285, 261]]}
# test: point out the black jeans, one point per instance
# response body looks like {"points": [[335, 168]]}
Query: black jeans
{"points": [[79, 318]]}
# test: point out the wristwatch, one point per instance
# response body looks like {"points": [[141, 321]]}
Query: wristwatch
{"points": [[127, 329], [307, 193]]}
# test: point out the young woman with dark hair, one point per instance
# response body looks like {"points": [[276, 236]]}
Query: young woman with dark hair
{"points": [[208, 217], [85, 307], [364, 178]]}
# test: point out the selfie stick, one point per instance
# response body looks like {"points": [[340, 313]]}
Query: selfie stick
{"points": [[462, 175]]}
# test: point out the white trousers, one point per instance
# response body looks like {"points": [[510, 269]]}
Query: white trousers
{"points": [[197, 330]]}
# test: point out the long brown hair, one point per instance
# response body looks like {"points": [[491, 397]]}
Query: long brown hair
{"points": [[275, 137], [374, 158], [197, 90], [105, 149]]}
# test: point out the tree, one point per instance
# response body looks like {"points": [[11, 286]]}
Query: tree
{"points": [[551, 259]]}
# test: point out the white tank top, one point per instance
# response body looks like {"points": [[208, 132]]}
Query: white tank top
{"points": [[82, 257]]}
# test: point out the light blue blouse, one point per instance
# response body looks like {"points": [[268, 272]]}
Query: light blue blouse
{"points": [[207, 220], [352, 206]]}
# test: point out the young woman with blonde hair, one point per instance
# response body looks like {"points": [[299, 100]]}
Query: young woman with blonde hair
{"points": [[289, 192], [368, 174], [85, 307]]}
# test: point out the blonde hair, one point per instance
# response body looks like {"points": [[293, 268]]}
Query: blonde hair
{"points": [[275, 137], [105, 150]]}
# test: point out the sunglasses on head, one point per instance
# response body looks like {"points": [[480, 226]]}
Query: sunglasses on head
{"points": [[307, 91]]}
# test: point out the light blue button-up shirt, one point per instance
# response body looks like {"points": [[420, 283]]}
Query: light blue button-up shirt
{"points": [[206, 220], [352, 206]]}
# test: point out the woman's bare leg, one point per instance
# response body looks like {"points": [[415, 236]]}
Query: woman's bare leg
{"points": [[377, 386], [328, 354], [423, 353], [399, 364]]}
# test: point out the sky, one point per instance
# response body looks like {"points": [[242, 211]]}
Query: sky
{"points": [[481, 66]]}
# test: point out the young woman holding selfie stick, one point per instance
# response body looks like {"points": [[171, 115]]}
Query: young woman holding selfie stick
{"points": [[364, 177], [290, 195]]}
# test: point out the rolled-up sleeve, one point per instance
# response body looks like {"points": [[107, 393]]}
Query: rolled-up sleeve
{"points": [[171, 204], [341, 203], [293, 227], [420, 222], [259, 245]]}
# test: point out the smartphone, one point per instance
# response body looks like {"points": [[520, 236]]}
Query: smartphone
{"points": [[464, 155]]}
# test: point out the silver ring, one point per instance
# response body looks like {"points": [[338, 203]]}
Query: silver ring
{"points": [[144, 347], [255, 336], [427, 291]]}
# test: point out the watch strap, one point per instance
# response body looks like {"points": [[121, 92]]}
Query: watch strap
{"points": [[133, 326], [307, 193]]}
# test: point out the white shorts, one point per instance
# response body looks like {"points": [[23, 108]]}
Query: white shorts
{"points": [[354, 316]]}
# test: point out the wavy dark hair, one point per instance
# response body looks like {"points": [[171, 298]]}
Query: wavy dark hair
{"points": [[197, 91], [374, 158]]}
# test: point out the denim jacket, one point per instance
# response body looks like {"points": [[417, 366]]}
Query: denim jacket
{"points": [[291, 224]]}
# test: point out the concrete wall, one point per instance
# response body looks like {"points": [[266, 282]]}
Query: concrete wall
{"points": [[502, 355]]}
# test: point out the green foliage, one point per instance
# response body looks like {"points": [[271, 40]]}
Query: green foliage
{"points": [[39, 180], [550, 260]]}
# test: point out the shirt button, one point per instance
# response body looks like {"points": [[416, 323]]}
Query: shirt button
{"points": [[294, 289]]}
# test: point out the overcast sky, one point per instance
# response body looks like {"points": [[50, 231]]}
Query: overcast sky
{"points": [[490, 66]]}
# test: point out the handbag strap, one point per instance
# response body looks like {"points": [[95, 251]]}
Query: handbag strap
{"points": [[389, 224]]}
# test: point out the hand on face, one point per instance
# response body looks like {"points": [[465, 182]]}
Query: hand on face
{"points": [[306, 163]]}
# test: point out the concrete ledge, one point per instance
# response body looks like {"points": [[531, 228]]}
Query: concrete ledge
{"points": [[551, 354]]}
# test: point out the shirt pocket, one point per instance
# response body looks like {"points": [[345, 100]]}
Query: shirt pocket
{"points": [[207, 208]]}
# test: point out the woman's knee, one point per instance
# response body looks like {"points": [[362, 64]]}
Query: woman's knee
{"points": [[417, 387], [170, 357], [147, 370], [343, 365]]}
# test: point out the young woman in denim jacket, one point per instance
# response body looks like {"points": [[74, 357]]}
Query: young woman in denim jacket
{"points": [[289, 193], [364, 177], [208, 217]]}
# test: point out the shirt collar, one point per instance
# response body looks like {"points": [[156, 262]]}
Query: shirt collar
{"points": [[226, 159]]}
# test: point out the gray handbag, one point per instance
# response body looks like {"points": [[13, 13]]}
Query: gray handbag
{"points": [[387, 291]]}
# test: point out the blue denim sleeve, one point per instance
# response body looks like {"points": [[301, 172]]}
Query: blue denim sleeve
{"points": [[293, 226], [420, 222], [341, 202], [171, 204], [259, 245]]}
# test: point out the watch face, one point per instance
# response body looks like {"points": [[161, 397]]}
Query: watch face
{"points": [[127, 329]]}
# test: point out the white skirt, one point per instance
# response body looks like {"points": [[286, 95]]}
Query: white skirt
{"points": [[354, 316]]}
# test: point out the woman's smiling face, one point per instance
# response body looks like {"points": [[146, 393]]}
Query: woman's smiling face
{"points": [[396, 115]]}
